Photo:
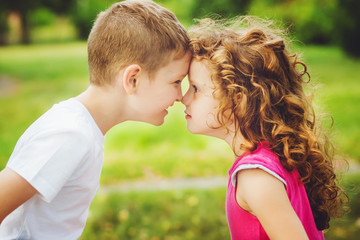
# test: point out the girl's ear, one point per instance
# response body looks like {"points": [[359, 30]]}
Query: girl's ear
{"points": [[129, 78]]}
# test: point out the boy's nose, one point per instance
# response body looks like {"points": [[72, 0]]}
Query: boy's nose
{"points": [[179, 95]]}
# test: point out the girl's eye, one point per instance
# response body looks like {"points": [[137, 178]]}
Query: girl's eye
{"points": [[195, 88], [178, 82]]}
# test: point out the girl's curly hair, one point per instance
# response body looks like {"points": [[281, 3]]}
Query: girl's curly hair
{"points": [[260, 89]]}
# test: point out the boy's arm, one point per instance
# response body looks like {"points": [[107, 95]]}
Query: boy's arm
{"points": [[264, 196], [14, 191]]}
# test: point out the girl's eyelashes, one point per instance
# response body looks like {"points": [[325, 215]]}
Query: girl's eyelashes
{"points": [[177, 82], [195, 88]]}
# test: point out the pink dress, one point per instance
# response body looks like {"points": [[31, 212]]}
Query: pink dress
{"points": [[244, 225]]}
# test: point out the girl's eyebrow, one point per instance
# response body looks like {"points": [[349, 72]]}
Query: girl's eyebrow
{"points": [[200, 84], [192, 81]]}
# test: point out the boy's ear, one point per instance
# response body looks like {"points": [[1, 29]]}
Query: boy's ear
{"points": [[130, 75]]}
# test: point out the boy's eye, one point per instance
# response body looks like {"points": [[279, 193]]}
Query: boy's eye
{"points": [[177, 82], [195, 88]]}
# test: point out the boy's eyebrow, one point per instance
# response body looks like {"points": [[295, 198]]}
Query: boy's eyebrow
{"points": [[182, 76]]}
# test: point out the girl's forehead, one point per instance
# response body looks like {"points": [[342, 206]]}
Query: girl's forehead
{"points": [[204, 84], [199, 72]]}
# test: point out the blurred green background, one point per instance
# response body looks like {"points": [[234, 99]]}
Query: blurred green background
{"points": [[43, 60]]}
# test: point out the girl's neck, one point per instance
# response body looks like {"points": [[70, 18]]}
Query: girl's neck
{"points": [[235, 142]]}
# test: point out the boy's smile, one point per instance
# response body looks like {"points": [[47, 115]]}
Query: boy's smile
{"points": [[155, 96]]}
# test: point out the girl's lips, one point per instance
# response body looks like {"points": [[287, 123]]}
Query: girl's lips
{"points": [[187, 116]]}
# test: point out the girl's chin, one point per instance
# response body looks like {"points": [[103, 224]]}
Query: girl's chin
{"points": [[205, 132], [195, 131]]}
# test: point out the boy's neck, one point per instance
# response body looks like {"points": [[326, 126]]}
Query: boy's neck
{"points": [[104, 105]]}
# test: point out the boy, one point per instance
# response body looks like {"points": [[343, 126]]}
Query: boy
{"points": [[137, 53]]}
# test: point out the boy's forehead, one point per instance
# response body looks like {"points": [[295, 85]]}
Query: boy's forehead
{"points": [[175, 71], [177, 67]]}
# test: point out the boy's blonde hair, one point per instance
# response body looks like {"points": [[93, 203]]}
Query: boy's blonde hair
{"points": [[133, 31]]}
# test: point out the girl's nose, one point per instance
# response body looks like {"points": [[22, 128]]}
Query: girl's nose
{"points": [[185, 98]]}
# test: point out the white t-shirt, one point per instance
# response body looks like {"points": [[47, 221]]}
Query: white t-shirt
{"points": [[60, 155]]}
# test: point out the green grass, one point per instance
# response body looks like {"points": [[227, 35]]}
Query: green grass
{"points": [[171, 215], [42, 75], [188, 214], [348, 227], [339, 94], [135, 150]]}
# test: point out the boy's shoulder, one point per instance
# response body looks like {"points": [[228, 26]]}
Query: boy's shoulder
{"points": [[68, 116]]}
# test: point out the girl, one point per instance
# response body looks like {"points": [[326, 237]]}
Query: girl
{"points": [[248, 90]]}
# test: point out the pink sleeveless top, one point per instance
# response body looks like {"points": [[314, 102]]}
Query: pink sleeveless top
{"points": [[244, 225]]}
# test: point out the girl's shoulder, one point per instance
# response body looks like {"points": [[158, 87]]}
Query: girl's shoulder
{"points": [[262, 158]]}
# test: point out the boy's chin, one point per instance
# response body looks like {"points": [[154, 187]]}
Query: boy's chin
{"points": [[156, 122]]}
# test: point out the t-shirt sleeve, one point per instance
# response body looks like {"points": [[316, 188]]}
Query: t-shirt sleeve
{"points": [[258, 162], [48, 159]]}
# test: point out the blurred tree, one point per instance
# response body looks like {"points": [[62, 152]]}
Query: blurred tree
{"points": [[311, 21], [316, 21], [58, 6], [182, 9], [225, 8], [23, 9], [347, 26], [3, 28], [84, 13]]}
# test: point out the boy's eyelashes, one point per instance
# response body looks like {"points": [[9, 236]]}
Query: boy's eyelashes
{"points": [[195, 88], [177, 82]]}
